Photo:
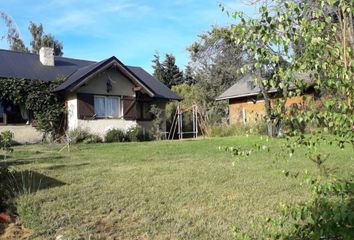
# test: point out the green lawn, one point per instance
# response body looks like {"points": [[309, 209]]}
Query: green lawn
{"points": [[158, 190]]}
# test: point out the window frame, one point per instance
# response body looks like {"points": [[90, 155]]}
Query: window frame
{"points": [[106, 111]]}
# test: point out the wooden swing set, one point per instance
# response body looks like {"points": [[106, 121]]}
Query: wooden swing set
{"points": [[177, 122]]}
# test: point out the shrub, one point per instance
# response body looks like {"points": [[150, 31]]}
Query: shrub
{"points": [[328, 214], [80, 135], [137, 134], [6, 142], [157, 122], [92, 138], [115, 135], [224, 130]]}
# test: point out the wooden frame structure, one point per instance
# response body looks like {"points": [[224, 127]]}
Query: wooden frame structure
{"points": [[177, 122]]}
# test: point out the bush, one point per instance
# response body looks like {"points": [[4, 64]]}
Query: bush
{"points": [[328, 214], [92, 138], [224, 130], [80, 135], [6, 142], [137, 134], [115, 135]]}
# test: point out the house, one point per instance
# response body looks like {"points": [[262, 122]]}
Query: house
{"points": [[98, 95], [246, 104]]}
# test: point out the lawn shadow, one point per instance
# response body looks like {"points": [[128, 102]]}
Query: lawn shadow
{"points": [[22, 182], [59, 166], [24, 161], [2, 157]]}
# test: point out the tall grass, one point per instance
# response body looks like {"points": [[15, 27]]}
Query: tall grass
{"points": [[240, 129]]}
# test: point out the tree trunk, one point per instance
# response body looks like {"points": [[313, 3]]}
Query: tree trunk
{"points": [[268, 111], [270, 129]]}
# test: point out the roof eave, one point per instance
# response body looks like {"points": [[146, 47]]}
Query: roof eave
{"points": [[241, 95]]}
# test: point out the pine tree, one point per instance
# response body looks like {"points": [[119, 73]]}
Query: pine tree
{"points": [[172, 75], [157, 66], [188, 76], [167, 72]]}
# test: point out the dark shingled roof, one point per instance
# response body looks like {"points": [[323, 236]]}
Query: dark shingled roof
{"points": [[27, 66]]}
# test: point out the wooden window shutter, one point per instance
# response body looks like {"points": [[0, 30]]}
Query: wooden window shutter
{"points": [[129, 108], [85, 106]]}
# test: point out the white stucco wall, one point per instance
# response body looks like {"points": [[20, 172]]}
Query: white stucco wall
{"points": [[101, 126], [23, 133], [121, 85], [72, 112]]}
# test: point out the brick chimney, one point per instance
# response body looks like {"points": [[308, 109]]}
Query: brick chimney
{"points": [[46, 56]]}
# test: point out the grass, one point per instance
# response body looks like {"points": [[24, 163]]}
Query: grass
{"points": [[159, 190]]}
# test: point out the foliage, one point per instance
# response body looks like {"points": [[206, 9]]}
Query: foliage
{"points": [[6, 142], [13, 35], [137, 134], [189, 76], [191, 95], [80, 135], [158, 114], [134, 134], [40, 39], [92, 138], [215, 59], [115, 135], [328, 214], [324, 62], [37, 97], [271, 42], [158, 68], [167, 72], [226, 130]]}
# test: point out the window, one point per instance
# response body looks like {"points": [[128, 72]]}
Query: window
{"points": [[107, 107]]}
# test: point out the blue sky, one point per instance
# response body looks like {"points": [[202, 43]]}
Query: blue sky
{"points": [[132, 30]]}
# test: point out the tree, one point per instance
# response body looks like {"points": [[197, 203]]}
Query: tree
{"points": [[167, 71], [172, 75], [326, 58], [188, 76], [158, 69], [40, 39], [215, 60], [271, 41], [13, 35], [18, 45]]}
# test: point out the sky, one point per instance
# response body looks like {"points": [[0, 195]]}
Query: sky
{"points": [[131, 30]]}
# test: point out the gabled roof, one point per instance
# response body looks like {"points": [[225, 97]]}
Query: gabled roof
{"points": [[246, 86], [27, 66], [243, 88]]}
